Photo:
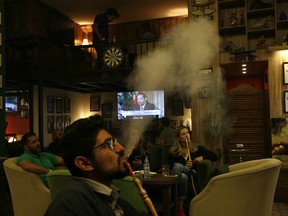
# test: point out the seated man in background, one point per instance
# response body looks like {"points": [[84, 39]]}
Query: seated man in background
{"points": [[54, 146], [33, 160], [166, 139], [94, 159]]}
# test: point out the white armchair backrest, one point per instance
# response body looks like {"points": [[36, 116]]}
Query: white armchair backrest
{"points": [[30, 196], [248, 189]]}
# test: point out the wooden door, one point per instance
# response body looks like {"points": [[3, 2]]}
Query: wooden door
{"points": [[247, 123]]}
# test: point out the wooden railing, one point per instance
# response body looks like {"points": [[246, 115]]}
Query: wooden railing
{"points": [[37, 58]]}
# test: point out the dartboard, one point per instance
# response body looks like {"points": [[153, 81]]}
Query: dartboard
{"points": [[113, 57]]}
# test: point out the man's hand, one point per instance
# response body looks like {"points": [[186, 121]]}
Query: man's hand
{"points": [[31, 167]]}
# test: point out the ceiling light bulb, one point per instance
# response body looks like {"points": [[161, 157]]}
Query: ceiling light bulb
{"points": [[243, 72], [243, 65], [243, 69]]}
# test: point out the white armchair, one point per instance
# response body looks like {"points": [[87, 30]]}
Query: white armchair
{"points": [[30, 196], [248, 189]]}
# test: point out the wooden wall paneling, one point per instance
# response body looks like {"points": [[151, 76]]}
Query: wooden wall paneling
{"points": [[123, 32], [276, 87], [26, 18], [61, 28], [246, 122], [40, 19], [130, 31]]}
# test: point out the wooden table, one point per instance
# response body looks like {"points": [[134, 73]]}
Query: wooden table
{"points": [[168, 186]]}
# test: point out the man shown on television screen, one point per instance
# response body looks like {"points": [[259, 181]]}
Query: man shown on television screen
{"points": [[142, 103]]}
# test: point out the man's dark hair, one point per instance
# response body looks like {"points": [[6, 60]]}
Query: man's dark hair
{"points": [[141, 93], [113, 12], [79, 139], [25, 137], [165, 121]]}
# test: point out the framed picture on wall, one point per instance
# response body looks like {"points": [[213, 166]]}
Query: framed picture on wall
{"points": [[59, 121], [66, 105], [50, 123], [188, 101], [94, 103], [285, 73], [59, 105], [50, 104], [177, 108], [67, 121], [285, 101], [1, 102], [106, 110]]}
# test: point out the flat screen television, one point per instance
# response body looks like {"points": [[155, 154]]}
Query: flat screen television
{"points": [[140, 104], [11, 103]]}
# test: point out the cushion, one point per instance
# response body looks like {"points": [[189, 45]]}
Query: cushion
{"points": [[221, 169], [206, 170]]}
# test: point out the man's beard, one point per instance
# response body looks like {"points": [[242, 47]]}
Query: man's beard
{"points": [[120, 173], [116, 174], [35, 151]]}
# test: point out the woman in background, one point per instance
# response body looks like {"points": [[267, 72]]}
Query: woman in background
{"points": [[184, 157]]}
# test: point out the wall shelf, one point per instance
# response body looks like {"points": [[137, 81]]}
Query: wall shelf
{"points": [[277, 48], [265, 11], [229, 3], [247, 34], [233, 29]]}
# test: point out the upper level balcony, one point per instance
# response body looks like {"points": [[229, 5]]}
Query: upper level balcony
{"points": [[37, 60]]}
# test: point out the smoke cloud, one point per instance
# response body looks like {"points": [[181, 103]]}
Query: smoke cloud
{"points": [[175, 64]]}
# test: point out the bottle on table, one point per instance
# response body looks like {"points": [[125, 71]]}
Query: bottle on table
{"points": [[146, 167]]}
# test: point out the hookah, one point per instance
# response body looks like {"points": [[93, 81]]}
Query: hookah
{"points": [[142, 192]]}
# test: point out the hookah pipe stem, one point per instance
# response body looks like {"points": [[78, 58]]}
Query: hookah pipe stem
{"points": [[143, 192], [189, 155]]}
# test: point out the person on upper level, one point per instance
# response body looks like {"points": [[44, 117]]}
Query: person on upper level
{"points": [[101, 25], [101, 31]]}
